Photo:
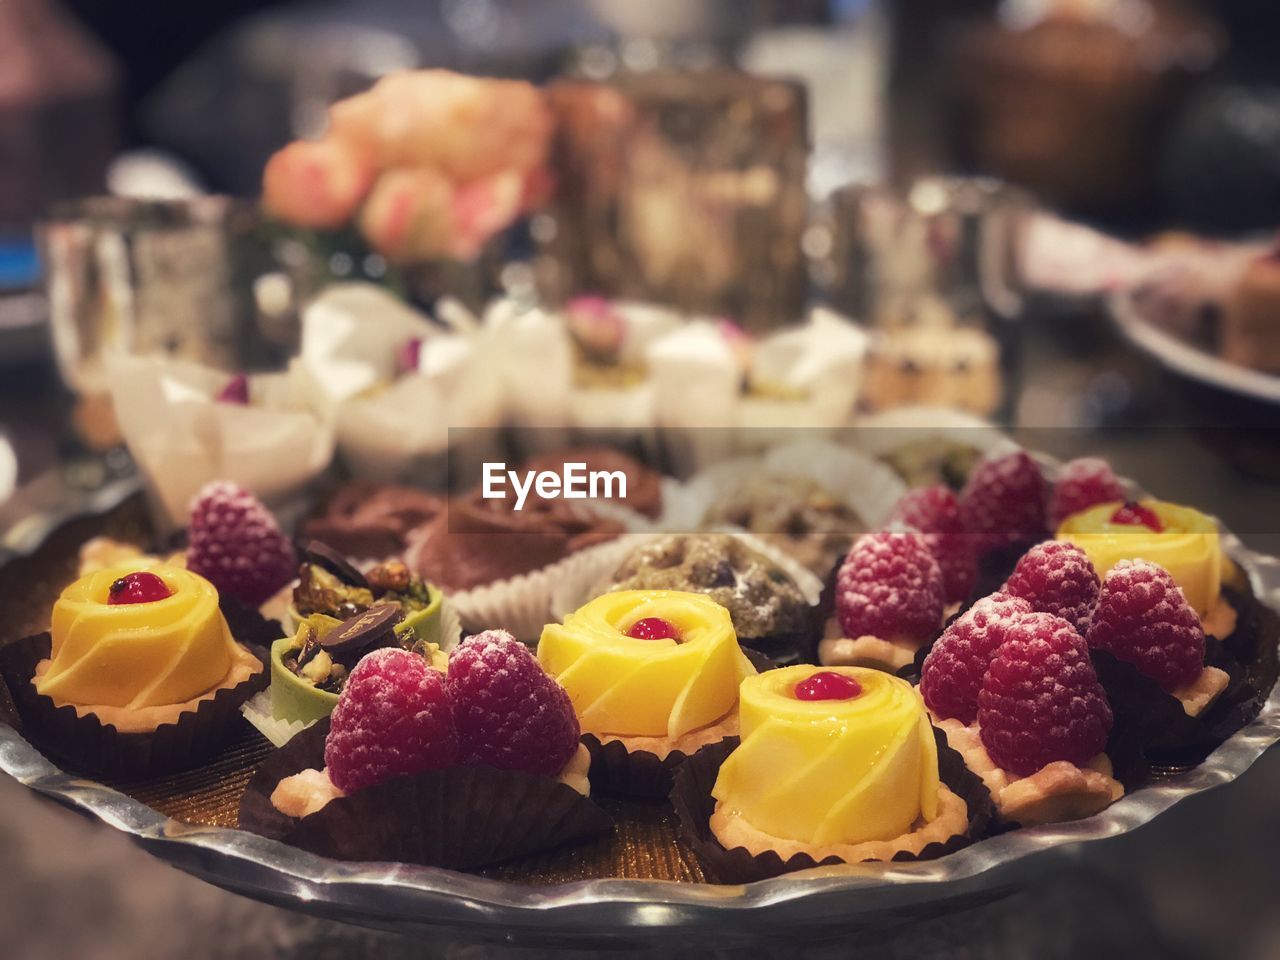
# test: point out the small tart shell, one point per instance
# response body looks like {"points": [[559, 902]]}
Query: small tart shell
{"points": [[1197, 696], [1055, 793], [308, 791], [866, 651], [687, 743], [1221, 621], [952, 820], [244, 665]]}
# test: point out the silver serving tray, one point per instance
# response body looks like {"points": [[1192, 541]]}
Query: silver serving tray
{"points": [[415, 899]]}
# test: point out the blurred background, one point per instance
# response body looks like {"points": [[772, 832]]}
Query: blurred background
{"points": [[1045, 213]]}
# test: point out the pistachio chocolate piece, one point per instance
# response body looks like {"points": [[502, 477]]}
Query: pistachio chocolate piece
{"points": [[313, 551], [366, 629]]}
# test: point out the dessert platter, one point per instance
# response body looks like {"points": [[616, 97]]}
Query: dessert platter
{"points": [[339, 705]]}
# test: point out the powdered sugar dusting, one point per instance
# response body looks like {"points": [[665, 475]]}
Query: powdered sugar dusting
{"points": [[890, 586], [1143, 618], [1040, 699], [1057, 577]]}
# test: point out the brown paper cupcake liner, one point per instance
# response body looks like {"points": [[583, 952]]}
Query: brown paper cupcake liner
{"points": [[85, 745], [620, 772], [642, 774], [461, 818], [691, 797]]}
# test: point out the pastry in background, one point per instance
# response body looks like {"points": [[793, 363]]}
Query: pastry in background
{"points": [[476, 541], [644, 485], [954, 367], [796, 514], [371, 520], [1251, 316]]}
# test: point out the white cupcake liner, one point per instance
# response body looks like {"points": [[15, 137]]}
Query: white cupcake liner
{"points": [[257, 710], [522, 604], [589, 581], [182, 438]]}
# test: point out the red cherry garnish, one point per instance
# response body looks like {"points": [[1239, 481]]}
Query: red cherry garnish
{"points": [[654, 628], [236, 391], [828, 685], [141, 587], [1137, 514]]}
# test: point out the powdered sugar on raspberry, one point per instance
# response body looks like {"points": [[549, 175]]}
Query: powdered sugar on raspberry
{"points": [[508, 712], [1143, 618], [1082, 484], [236, 544], [935, 512], [1057, 577], [953, 670], [394, 718], [1040, 699], [890, 586], [1004, 501]]}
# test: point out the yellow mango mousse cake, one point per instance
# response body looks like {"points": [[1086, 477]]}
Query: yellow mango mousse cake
{"points": [[657, 670], [834, 762], [1182, 540], [139, 644]]}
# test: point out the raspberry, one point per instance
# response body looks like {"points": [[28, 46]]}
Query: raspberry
{"points": [[1143, 618], [952, 672], [935, 512], [1056, 577], [1003, 501], [889, 586], [509, 713], [394, 717], [1040, 699], [1082, 484], [236, 544]]}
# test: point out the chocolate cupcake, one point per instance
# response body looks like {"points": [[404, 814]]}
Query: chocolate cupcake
{"points": [[372, 520], [769, 611], [477, 541], [644, 486]]}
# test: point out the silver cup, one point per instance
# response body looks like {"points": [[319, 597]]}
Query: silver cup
{"points": [[149, 277]]}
